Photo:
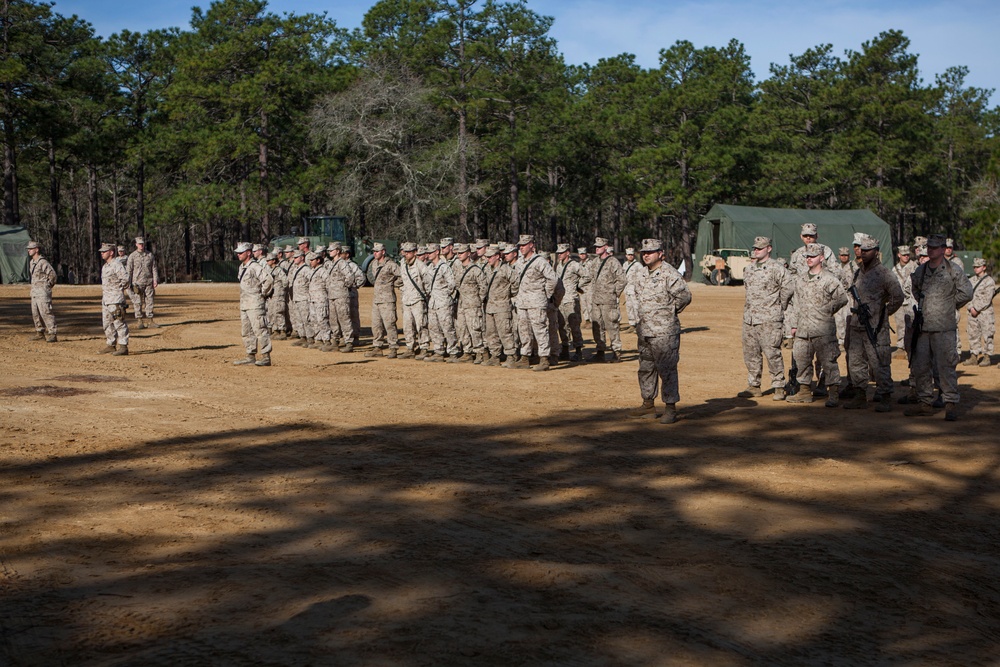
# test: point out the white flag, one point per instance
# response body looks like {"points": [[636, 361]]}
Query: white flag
{"points": [[681, 268]]}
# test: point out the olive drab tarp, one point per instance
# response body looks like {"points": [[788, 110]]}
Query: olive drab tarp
{"points": [[727, 226], [14, 254]]}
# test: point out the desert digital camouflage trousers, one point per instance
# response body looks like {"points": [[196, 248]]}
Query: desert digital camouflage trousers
{"points": [[41, 313], [604, 319], [865, 360], [760, 342], [980, 330], [115, 327], [658, 358], [319, 320], [276, 311], [255, 331], [934, 354], [442, 328], [499, 334], [570, 334], [299, 312], [826, 350], [469, 329], [384, 325], [341, 323], [142, 300], [415, 324], [533, 327]]}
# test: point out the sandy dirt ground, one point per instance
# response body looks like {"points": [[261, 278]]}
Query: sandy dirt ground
{"points": [[168, 508]]}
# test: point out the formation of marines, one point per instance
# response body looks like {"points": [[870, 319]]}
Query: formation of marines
{"points": [[509, 304]]}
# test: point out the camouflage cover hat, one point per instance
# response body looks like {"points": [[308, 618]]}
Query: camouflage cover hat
{"points": [[346, 249], [843, 250], [334, 245], [562, 247], [289, 248], [978, 261], [600, 242], [139, 239], [525, 239], [808, 229], [107, 247], [482, 243], [408, 246], [432, 247], [813, 250], [319, 248], [491, 252], [377, 246], [421, 249], [936, 241], [121, 248], [857, 237], [258, 246], [629, 251], [461, 247], [510, 248], [651, 245], [761, 242], [272, 256], [920, 241], [32, 245], [949, 243], [921, 251], [868, 243], [447, 241], [310, 256], [242, 246], [298, 253], [903, 250], [302, 239], [581, 251]]}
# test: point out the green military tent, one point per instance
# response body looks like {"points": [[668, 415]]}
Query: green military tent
{"points": [[14, 254], [727, 226]]}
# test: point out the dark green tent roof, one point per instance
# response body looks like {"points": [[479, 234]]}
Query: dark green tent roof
{"points": [[728, 226], [14, 254]]}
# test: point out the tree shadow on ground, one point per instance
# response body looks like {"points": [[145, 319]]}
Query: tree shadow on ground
{"points": [[572, 540]]}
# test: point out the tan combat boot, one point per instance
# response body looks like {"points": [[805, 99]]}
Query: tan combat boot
{"points": [[265, 360], [950, 412], [669, 415], [249, 359], [38, 336], [802, 395], [151, 323], [750, 392], [542, 365], [919, 410], [884, 403], [120, 351], [779, 394], [859, 401], [374, 352], [51, 338], [833, 396], [647, 409], [971, 361], [984, 360], [107, 349], [391, 354]]}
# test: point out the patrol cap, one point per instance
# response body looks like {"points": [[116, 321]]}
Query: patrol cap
{"points": [[446, 241], [432, 247], [920, 240], [482, 243], [921, 251], [629, 251], [302, 239], [121, 248], [334, 245], [107, 247], [408, 246], [868, 243], [272, 256], [461, 247], [32, 245], [978, 261], [319, 248], [243, 246], [491, 252], [857, 237], [289, 248], [903, 250], [258, 246], [813, 250], [377, 246], [139, 239], [562, 247], [949, 243], [936, 241], [510, 248], [525, 239], [600, 242], [310, 256], [581, 251], [651, 245], [808, 229], [346, 249], [298, 253], [421, 249], [761, 242], [843, 250]]}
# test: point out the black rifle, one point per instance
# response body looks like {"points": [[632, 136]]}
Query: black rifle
{"points": [[865, 315], [792, 386], [916, 328]]}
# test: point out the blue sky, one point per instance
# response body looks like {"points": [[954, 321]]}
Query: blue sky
{"points": [[942, 33]]}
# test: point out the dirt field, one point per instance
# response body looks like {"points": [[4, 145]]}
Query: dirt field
{"points": [[168, 508]]}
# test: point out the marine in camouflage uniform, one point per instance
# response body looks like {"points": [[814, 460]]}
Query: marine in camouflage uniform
{"points": [[819, 295], [575, 279], [536, 286], [256, 284], [114, 280], [319, 306], [607, 283], [413, 292], [143, 280], [881, 294], [585, 304], [981, 325], [440, 288], [631, 268], [661, 294], [470, 282], [356, 278], [339, 281], [500, 290], [797, 265], [383, 274], [901, 272], [43, 279], [768, 291], [940, 288], [845, 267], [276, 303], [298, 298]]}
